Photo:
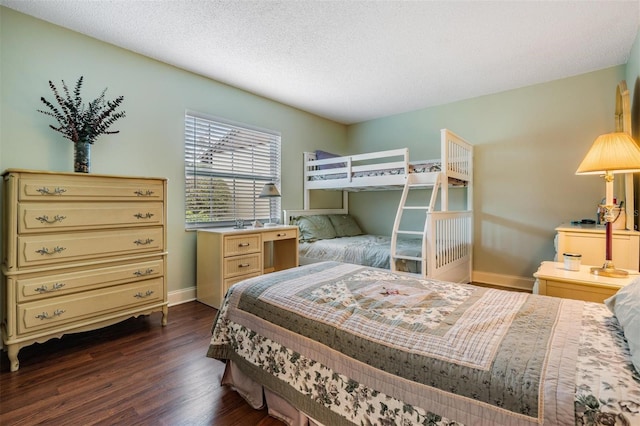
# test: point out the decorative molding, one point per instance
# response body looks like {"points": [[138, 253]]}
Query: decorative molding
{"points": [[183, 295], [501, 280]]}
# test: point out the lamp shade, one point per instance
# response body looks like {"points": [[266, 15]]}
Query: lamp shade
{"points": [[612, 152], [269, 190]]}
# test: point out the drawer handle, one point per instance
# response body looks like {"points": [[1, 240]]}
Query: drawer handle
{"points": [[281, 235], [45, 315], [143, 242], [141, 193], [44, 289], [244, 265], [139, 295], [144, 215], [47, 191], [243, 245], [45, 250], [56, 218], [148, 271]]}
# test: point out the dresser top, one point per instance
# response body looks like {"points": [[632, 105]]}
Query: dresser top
{"points": [[247, 230], [555, 271], [596, 229], [54, 173]]}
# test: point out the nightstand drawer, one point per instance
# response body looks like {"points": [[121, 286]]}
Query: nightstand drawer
{"points": [[579, 291], [243, 265], [231, 281], [242, 244]]}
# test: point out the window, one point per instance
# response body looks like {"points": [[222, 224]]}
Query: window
{"points": [[226, 165]]}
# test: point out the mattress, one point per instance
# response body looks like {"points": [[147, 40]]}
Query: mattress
{"points": [[347, 344], [367, 250]]}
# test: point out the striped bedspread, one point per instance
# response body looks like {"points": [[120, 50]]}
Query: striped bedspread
{"points": [[348, 344]]}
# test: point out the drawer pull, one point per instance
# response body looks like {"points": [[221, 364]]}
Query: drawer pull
{"points": [[143, 242], [141, 193], [44, 289], [243, 245], [47, 191], [139, 295], [281, 235], [56, 218], [45, 250], [148, 271], [243, 265], [45, 315], [144, 215]]}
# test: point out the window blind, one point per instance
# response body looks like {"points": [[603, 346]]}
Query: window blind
{"points": [[226, 165]]}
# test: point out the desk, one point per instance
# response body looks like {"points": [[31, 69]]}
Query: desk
{"points": [[553, 280], [226, 256]]}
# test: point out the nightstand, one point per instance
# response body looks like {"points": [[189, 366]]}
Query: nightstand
{"points": [[553, 280]]}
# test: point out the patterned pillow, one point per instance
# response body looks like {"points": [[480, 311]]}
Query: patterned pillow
{"points": [[345, 225], [625, 305], [315, 227]]}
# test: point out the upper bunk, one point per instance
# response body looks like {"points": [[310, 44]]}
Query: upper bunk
{"points": [[385, 170]]}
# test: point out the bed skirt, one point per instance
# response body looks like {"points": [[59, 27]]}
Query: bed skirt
{"points": [[257, 396]]}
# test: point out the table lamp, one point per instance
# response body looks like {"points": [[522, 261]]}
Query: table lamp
{"points": [[269, 190], [610, 154]]}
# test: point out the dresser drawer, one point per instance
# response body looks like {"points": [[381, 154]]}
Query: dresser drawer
{"points": [[41, 217], [51, 187], [242, 244], [54, 312], [283, 234], [231, 281], [243, 265], [47, 285], [35, 250]]}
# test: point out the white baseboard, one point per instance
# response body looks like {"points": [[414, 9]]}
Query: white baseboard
{"points": [[183, 295], [507, 281]]}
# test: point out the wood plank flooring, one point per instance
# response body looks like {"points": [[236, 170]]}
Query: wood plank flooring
{"points": [[132, 373]]}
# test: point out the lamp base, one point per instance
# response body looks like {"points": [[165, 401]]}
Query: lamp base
{"points": [[609, 270]]}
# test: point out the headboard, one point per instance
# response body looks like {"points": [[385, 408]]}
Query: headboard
{"points": [[288, 214]]}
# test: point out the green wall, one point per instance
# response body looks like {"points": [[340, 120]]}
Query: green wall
{"points": [[528, 144], [528, 141], [150, 142]]}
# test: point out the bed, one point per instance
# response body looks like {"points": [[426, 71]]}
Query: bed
{"points": [[340, 344], [444, 249]]}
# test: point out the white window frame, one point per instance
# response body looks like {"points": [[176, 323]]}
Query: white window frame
{"points": [[226, 166]]}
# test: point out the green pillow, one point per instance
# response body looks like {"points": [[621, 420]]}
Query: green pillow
{"points": [[345, 225], [316, 227], [625, 305]]}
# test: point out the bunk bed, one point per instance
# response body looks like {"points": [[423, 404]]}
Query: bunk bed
{"points": [[442, 246], [341, 344]]}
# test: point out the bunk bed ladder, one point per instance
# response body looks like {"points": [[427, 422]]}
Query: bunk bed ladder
{"points": [[402, 207]]}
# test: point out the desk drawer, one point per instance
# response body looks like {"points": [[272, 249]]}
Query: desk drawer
{"points": [[51, 187], [57, 311], [47, 285], [242, 244], [243, 265], [282, 234], [52, 217], [35, 250]]}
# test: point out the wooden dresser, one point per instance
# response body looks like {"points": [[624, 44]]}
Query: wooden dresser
{"points": [[227, 256], [79, 252]]}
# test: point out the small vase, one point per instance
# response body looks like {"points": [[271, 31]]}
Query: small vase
{"points": [[82, 157]]}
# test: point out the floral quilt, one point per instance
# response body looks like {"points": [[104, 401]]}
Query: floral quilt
{"points": [[353, 345]]}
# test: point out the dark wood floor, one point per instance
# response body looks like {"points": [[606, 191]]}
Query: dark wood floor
{"points": [[133, 373]]}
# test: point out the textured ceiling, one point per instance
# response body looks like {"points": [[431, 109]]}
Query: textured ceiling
{"points": [[352, 61]]}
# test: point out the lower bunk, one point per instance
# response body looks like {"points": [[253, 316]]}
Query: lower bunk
{"points": [[334, 235], [342, 344]]}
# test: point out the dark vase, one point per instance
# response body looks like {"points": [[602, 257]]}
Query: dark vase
{"points": [[82, 157]]}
